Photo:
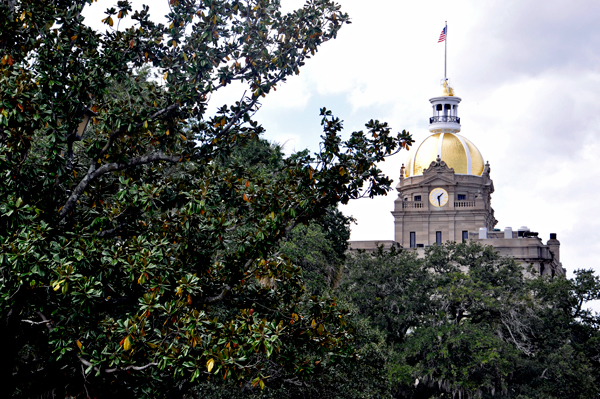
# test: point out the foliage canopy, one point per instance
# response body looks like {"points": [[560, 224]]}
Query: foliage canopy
{"points": [[465, 322], [134, 258]]}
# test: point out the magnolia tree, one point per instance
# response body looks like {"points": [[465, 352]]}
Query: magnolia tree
{"points": [[130, 259]]}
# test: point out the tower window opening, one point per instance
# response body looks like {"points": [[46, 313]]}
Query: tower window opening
{"points": [[447, 106], [438, 237], [413, 239], [439, 107], [417, 198], [465, 236], [462, 197]]}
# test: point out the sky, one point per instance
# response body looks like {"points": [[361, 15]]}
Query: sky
{"points": [[528, 73]]}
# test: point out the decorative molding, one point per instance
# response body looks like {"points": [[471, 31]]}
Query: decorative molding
{"points": [[438, 166]]}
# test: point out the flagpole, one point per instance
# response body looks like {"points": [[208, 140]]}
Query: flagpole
{"points": [[445, 50]]}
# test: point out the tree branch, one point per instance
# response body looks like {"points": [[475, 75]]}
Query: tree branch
{"points": [[111, 167], [116, 370], [136, 368], [213, 299]]}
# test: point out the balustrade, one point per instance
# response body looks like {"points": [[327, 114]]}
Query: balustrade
{"points": [[412, 204], [444, 119], [464, 204]]}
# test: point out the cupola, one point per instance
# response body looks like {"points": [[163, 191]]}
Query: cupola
{"points": [[444, 142], [445, 117]]}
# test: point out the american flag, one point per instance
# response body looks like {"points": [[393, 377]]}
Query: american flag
{"points": [[442, 35]]}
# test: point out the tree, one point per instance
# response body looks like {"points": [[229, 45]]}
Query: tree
{"points": [[465, 321], [132, 260]]}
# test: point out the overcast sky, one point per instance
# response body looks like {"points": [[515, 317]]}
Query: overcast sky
{"points": [[528, 73]]}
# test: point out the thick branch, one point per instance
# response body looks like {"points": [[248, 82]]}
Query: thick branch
{"points": [[213, 299], [136, 368], [116, 370], [111, 167]]}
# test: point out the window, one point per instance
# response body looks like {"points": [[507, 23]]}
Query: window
{"points": [[417, 198], [438, 237], [439, 107], [413, 239], [465, 236], [462, 197], [447, 106]]}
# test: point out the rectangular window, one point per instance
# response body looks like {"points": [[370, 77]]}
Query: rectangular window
{"points": [[462, 197], [413, 239], [438, 237], [465, 236], [417, 198]]}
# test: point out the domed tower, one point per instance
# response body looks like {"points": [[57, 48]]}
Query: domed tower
{"points": [[445, 189]]}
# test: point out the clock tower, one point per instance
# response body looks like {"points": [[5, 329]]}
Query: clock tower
{"points": [[444, 194], [445, 190]]}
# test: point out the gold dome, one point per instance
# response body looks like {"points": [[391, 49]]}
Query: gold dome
{"points": [[458, 153]]}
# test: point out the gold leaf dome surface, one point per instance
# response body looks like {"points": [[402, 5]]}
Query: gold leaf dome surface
{"points": [[458, 152]]}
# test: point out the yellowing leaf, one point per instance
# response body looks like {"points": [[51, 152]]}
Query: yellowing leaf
{"points": [[210, 364], [167, 132], [79, 344], [245, 198], [73, 37], [165, 75], [313, 324], [183, 137], [126, 344], [262, 384], [145, 124]]}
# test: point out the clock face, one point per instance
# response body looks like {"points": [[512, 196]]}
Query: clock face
{"points": [[438, 197]]}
